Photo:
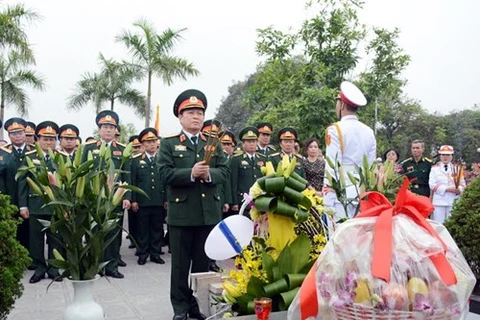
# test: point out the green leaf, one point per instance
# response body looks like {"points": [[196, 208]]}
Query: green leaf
{"points": [[276, 287], [255, 287], [300, 252], [267, 265], [284, 263]]}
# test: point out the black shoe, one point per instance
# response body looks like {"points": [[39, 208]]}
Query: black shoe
{"points": [[122, 263], [142, 260], [180, 316], [36, 278], [197, 315], [114, 274], [213, 267], [55, 277], [157, 259], [32, 267], [131, 245], [169, 251], [162, 252]]}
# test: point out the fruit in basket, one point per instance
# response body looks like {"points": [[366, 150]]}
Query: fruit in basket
{"points": [[416, 285], [395, 296], [441, 295], [362, 292]]}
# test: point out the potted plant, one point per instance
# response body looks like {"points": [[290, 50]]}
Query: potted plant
{"points": [[13, 257], [83, 198]]}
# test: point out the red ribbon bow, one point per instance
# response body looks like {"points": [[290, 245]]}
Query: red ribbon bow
{"points": [[418, 208]]}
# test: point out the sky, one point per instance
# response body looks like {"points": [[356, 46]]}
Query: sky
{"points": [[441, 37]]}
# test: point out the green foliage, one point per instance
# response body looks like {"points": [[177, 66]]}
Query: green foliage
{"points": [[112, 83], [150, 54], [83, 198], [14, 258], [464, 224]]}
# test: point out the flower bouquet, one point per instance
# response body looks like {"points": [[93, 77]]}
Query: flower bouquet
{"points": [[388, 263], [288, 237]]}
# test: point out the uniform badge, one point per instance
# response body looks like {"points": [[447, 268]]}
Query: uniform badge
{"points": [[182, 138], [410, 168], [244, 163], [96, 151], [142, 162], [117, 153], [328, 139], [180, 147]]}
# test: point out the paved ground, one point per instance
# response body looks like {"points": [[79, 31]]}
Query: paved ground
{"points": [[142, 294]]}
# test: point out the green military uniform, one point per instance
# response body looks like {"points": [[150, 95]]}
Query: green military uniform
{"points": [[29, 199], [132, 216], [225, 190], [151, 214], [13, 163], [418, 173], [112, 252], [5, 159], [193, 204]]}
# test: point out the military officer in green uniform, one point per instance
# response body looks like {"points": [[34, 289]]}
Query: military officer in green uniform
{"points": [[417, 169], [287, 137], [18, 147], [265, 130], [107, 122], [228, 142], [194, 206], [149, 211], [5, 159], [137, 148], [30, 133], [32, 206], [245, 167], [68, 136]]}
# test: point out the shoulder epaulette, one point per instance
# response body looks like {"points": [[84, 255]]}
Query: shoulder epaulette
{"points": [[7, 146], [6, 150], [408, 159], [32, 145], [121, 144], [261, 155], [238, 154], [137, 155], [62, 152], [275, 154], [429, 160], [168, 136], [271, 147], [90, 142], [29, 153]]}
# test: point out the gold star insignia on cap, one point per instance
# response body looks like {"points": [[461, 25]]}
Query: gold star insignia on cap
{"points": [[193, 99]]}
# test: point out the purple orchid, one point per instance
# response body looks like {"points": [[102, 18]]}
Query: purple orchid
{"points": [[249, 199], [341, 298], [351, 281], [421, 303]]}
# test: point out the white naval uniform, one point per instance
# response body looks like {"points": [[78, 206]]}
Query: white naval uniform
{"points": [[357, 140], [439, 180]]}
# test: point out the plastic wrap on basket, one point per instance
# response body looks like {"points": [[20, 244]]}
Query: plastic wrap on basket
{"points": [[417, 288]]}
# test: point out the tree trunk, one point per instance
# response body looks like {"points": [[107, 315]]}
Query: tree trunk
{"points": [[149, 100], [2, 113], [112, 101]]}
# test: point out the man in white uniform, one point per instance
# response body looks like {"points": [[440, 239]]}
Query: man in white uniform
{"points": [[348, 141], [442, 184]]}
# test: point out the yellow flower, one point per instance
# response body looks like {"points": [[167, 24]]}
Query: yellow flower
{"points": [[256, 191], [254, 213]]}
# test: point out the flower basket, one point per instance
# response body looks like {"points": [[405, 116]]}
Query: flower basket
{"points": [[388, 263]]}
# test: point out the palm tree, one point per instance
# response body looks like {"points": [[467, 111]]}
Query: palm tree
{"points": [[12, 32], [111, 83], [150, 53], [13, 76]]}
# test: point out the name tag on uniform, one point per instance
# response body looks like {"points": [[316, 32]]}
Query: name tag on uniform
{"points": [[180, 147], [117, 153]]}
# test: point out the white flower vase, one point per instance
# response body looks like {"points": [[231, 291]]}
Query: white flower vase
{"points": [[83, 307]]}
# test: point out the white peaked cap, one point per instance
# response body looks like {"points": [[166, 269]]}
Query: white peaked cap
{"points": [[228, 237], [351, 95]]}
